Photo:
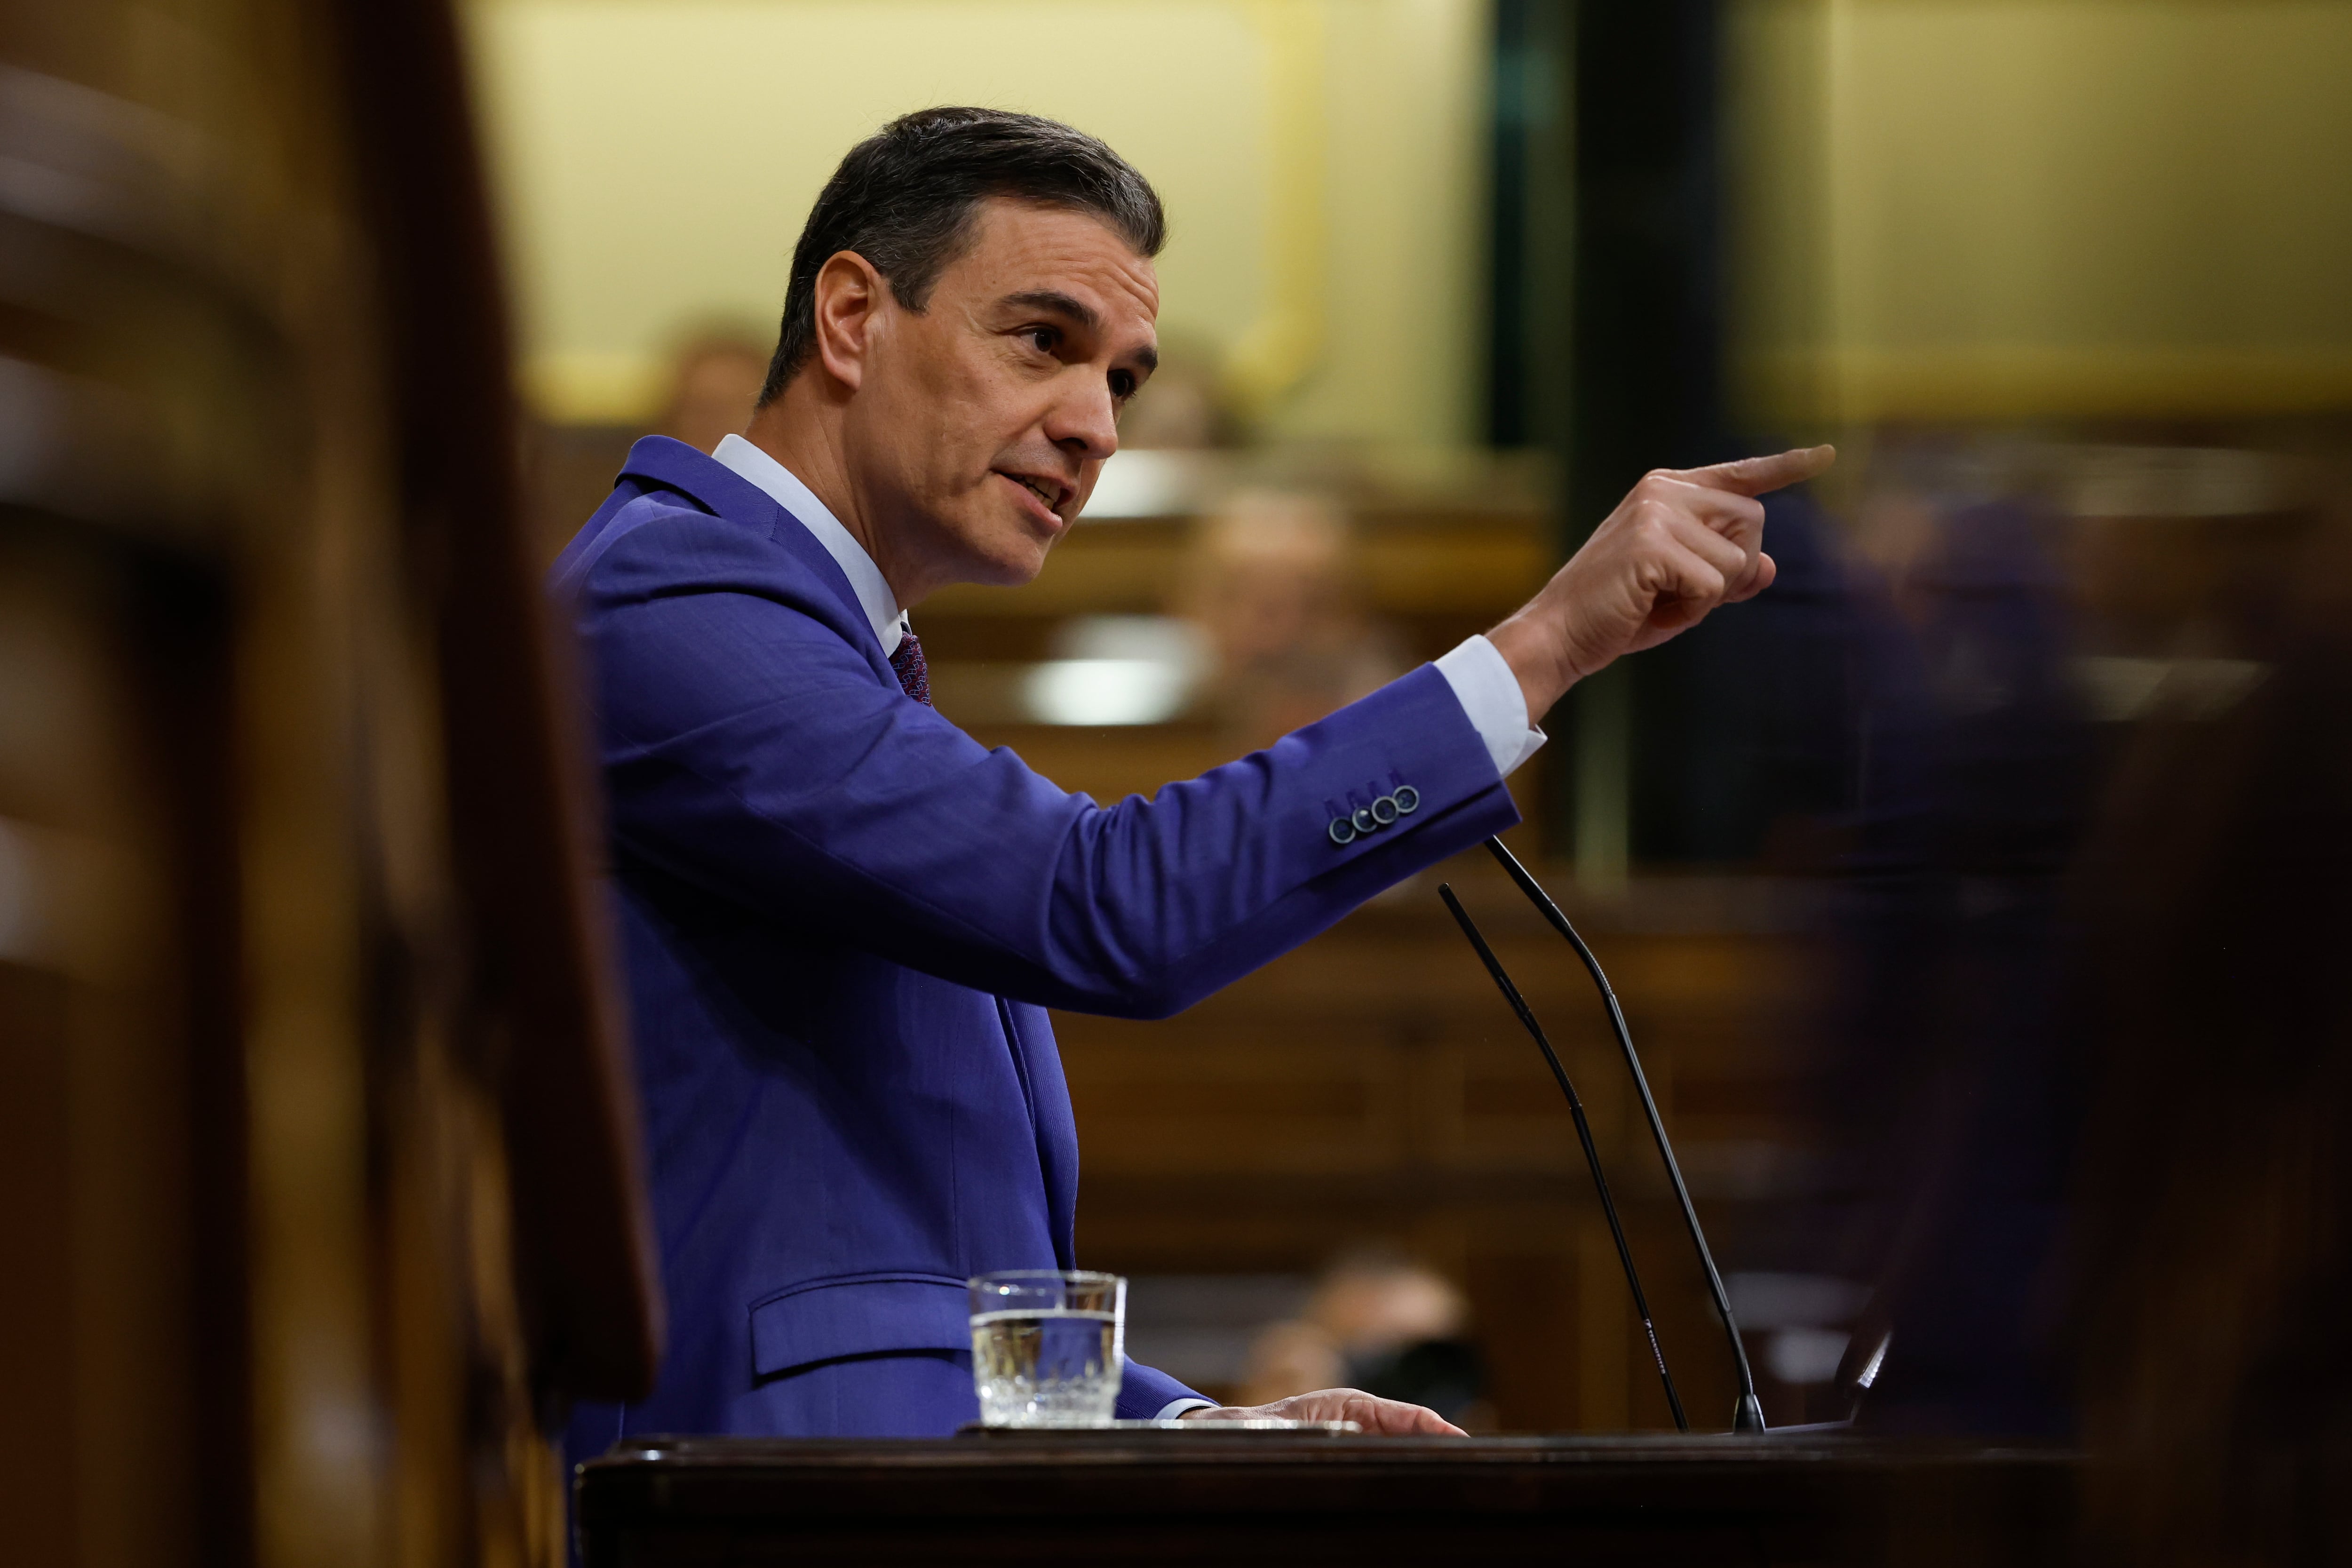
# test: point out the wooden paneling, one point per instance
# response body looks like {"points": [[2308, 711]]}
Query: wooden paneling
{"points": [[1371, 1085], [1245, 1100], [1412, 563]]}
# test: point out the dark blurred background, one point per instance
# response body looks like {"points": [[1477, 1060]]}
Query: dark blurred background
{"points": [[1977, 897]]}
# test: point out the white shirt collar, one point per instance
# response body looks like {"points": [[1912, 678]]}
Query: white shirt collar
{"points": [[873, 596]]}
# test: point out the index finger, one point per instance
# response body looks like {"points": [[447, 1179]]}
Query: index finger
{"points": [[1756, 476], [1398, 1418]]}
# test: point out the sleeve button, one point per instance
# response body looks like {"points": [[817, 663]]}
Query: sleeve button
{"points": [[1342, 830]]}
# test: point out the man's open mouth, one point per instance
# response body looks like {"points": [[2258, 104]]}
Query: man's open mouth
{"points": [[1045, 490]]}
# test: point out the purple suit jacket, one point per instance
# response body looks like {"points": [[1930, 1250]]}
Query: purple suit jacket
{"points": [[844, 919]]}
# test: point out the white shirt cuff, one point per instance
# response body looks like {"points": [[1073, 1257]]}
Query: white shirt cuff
{"points": [[1175, 1407], [1489, 694]]}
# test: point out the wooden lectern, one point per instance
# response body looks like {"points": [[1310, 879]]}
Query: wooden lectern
{"points": [[1247, 1497]]}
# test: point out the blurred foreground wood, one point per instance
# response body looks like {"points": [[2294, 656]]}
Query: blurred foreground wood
{"points": [[318, 1167]]}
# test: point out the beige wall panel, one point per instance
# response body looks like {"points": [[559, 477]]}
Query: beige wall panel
{"points": [[655, 158], [2005, 208]]}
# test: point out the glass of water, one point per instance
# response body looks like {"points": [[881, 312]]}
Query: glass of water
{"points": [[1047, 1346]]}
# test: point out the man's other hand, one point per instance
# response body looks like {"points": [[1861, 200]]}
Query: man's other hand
{"points": [[1681, 542], [1389, 1417]]}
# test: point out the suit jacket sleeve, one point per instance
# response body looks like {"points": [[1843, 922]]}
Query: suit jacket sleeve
{"points": [[1144, 1392], [752, 747]]}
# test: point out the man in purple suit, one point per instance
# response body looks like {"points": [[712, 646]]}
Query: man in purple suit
{"points": [[844, 919]]}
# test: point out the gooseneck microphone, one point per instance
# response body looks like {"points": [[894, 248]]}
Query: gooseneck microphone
{"points": [[1583, 1135], [1749, 1416]]}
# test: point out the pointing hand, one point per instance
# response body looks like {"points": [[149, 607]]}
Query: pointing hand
{"points": [[1681, 542]]}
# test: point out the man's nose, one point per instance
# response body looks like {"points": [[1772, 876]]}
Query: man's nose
{"points": [[1084, 422]]}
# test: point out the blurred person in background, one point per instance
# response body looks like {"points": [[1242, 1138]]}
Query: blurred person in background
{"points": [[1378, 1322], [844, 918], [714, 381], [2012, 616], [1897, 724], [1957, 1095], [1185, 409], [1271, 578]]}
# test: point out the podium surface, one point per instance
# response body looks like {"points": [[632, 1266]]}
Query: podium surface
{"points": [[1197, 1497]]}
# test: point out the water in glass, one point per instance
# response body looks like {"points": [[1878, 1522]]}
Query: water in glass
{"points": [[1046, 1349]]}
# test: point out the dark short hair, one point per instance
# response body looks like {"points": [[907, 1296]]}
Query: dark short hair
{"points": [[905, 199]]}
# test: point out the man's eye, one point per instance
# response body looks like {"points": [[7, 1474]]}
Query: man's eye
{"points": [[1043, 338], [1122, 384]]}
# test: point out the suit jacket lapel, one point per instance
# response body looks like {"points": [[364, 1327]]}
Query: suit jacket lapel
{"points": [[720, 489]]}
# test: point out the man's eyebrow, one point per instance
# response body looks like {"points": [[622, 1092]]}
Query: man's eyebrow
{"points": [[1055, 301], [1081, 313]]}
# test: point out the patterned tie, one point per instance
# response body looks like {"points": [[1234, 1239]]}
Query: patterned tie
{"points": [[906, 663]]}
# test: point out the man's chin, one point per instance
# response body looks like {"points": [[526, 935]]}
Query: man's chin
{"points": [[1000, 571], [1008, 563], [989, 551], [1016, 574]]}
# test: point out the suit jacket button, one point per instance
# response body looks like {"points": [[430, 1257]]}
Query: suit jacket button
{"points": [[1408, 800], [1363, 820], [1342, 830], [1384, 810]]}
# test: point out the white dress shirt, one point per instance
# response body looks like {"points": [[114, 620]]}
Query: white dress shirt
{"points": [[866, 579], [1482, 681]]}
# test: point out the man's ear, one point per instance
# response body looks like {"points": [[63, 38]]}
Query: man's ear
{"points": [[850, 298]]}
